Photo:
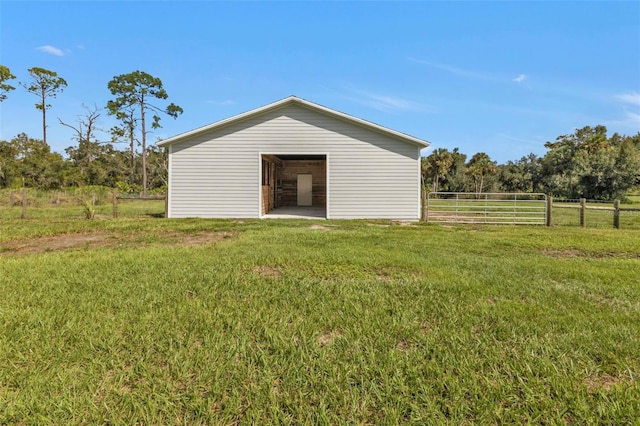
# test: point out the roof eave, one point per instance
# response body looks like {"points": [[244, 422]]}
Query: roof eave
{"points": [[365, 123], [293, 99], [221, 123]]}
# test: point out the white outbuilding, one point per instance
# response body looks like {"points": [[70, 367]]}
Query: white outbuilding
{"points": [[294, 156]]}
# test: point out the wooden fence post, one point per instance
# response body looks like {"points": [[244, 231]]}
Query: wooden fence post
{"points": [[166, 205], [616, 214], [583, 212], [423, 204], [115, 203], [24, 203], [549, 210]]}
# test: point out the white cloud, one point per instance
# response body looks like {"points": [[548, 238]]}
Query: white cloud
{"points": [[51, 50], [520, 78], [630, 121], [627, 123], [383, 102], [467, 73], [633, 118], [629, 98], [454, 70], [386, 103]]}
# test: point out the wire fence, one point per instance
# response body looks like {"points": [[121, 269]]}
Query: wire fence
{"points": [[80, 203], [104, 203]]}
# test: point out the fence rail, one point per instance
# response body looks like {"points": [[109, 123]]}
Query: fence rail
{"points": [[116, 198], [525, 209], [583, 206], [487, 208]]}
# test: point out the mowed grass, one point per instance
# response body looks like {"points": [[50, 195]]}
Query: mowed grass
{"points": [[321, 322]]}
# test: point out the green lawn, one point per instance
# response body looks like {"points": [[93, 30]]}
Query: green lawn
{"points": [[155, 321]]}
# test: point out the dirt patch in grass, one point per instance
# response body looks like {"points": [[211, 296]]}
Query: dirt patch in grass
{"points": [[327, 338], [565, 253], [390, 274], [267, 271], [321, 228], [186, 240], [577, 253], [383, 275], [96, 240], [603, 382], [406, 346], [404, 223], [56, 243]]}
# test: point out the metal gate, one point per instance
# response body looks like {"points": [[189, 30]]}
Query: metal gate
{"points": [[489, 208]]}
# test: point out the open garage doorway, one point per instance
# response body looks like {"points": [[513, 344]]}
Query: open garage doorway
{"points": [[293, 186]]}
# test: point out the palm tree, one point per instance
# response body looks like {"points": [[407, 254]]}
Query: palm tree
{"points": [[437, 166], [480, 166]]}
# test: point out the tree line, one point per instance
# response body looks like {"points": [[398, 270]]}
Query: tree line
{"points": [[585, 164], [30, 162]]}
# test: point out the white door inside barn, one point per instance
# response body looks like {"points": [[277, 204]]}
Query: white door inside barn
{"points": [[305, 196]]}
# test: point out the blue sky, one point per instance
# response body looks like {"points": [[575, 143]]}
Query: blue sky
{"points": [[497, 77]]}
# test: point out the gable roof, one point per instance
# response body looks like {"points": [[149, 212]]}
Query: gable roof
{"points": [[293, 100]]}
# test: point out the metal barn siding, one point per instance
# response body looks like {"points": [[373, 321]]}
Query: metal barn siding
{"points": [[215, 173]]}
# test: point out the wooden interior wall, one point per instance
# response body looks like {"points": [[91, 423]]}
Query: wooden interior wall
{"points": [[269, 187], [288, 181]]}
